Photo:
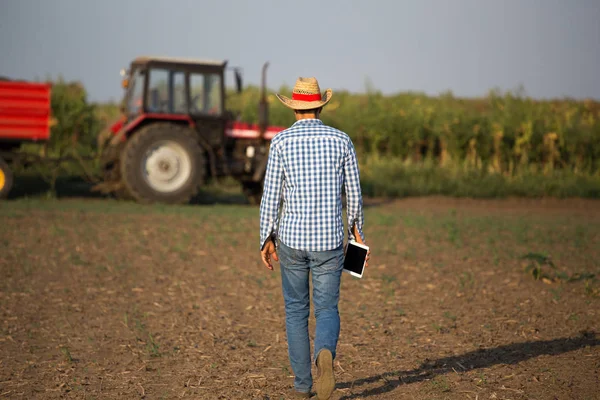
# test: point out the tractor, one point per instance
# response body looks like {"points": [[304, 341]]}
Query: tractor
{"points": [[176, 135]]}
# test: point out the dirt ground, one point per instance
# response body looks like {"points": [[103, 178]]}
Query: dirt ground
{"points": [[107, 300]]}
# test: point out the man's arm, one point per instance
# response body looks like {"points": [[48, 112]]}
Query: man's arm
{"points": [[354, 206], [269, 205]]}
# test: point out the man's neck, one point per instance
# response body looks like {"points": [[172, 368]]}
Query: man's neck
{"points": [[306, 116]]}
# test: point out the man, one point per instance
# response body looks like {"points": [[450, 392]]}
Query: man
{"points": [[309, 164]]}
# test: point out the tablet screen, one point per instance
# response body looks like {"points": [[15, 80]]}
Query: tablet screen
{"points": [[355, 259]]}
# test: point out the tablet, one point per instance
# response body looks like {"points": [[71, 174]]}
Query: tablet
{"points": [[355, 259]]}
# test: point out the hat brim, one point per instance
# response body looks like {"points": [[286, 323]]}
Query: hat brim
{"points": [[305, 105]]}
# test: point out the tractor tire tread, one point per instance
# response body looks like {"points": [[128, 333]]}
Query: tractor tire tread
{"points": [[161, 130]]}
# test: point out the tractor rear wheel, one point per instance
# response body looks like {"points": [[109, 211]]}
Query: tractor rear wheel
{"points": [[163, 163], [6, 179]]}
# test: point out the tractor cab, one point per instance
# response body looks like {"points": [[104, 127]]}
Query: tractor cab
{"points": [[177, 87]]}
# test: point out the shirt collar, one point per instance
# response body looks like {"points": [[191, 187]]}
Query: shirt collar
{"points": [[308, 121]]}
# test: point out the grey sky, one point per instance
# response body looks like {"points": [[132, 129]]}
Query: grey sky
{"points": [[552, 47]]}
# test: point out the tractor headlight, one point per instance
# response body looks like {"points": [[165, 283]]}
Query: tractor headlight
{"points": [[250, 151]]}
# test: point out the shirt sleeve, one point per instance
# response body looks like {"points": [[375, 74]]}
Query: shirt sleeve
{"points": [[269, 205], [354, 204]]}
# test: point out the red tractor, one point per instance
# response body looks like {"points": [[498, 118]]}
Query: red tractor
{"points": [[176, 134]]}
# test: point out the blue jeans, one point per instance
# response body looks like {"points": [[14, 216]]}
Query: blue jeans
{"points": [[326, 268]]}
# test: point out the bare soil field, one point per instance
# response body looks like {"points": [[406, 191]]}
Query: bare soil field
{"points": [[463, 299]]}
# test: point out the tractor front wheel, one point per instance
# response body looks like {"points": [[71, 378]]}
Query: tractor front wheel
{"points": [[6, 179], [163, 163]]}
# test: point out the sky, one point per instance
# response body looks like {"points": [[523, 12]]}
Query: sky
{"points": [[549, 47]]}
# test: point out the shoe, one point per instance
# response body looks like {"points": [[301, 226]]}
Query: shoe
{"points": [[325, 381], [300, 395]]}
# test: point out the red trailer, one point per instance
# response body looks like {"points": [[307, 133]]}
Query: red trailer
{"points": [[24, 117]]}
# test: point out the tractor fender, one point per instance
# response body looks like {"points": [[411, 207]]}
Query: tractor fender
{"points": [[124, 131]]}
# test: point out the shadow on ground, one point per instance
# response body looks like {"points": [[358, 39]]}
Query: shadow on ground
{"points": [[76, 187], [30, 186], [483, 358]]}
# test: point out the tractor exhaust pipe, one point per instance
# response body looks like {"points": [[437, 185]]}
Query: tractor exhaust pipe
{"points": [[263, 123], [263, 110]]}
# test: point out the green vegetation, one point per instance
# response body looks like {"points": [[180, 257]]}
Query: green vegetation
{"points": [[395, 177], [71, 150], [504, 134], [409, 144], [502, 145]]}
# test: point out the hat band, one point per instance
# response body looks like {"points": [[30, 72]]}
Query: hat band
{"points": [[306, 97]]}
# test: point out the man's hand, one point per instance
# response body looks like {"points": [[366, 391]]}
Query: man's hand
{"points": [[359, 240], [266, 254]]}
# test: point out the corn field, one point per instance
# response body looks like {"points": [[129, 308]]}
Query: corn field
{"points": [[502, 133], [412, 144]]}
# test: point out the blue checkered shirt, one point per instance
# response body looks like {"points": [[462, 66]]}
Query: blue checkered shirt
{"points": [[309, 164]]}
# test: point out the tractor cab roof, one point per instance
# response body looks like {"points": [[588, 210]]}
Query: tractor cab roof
{"points": [[177, 61]]}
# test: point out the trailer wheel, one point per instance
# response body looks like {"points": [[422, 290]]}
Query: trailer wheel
{"points": [[6, 179], [163, 163]]}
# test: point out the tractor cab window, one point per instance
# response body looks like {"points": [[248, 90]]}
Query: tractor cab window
{"points": [[166, 92], [205, 94], [135, 87]]}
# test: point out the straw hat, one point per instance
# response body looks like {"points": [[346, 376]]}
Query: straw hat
{"points": [[306, 95]]}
